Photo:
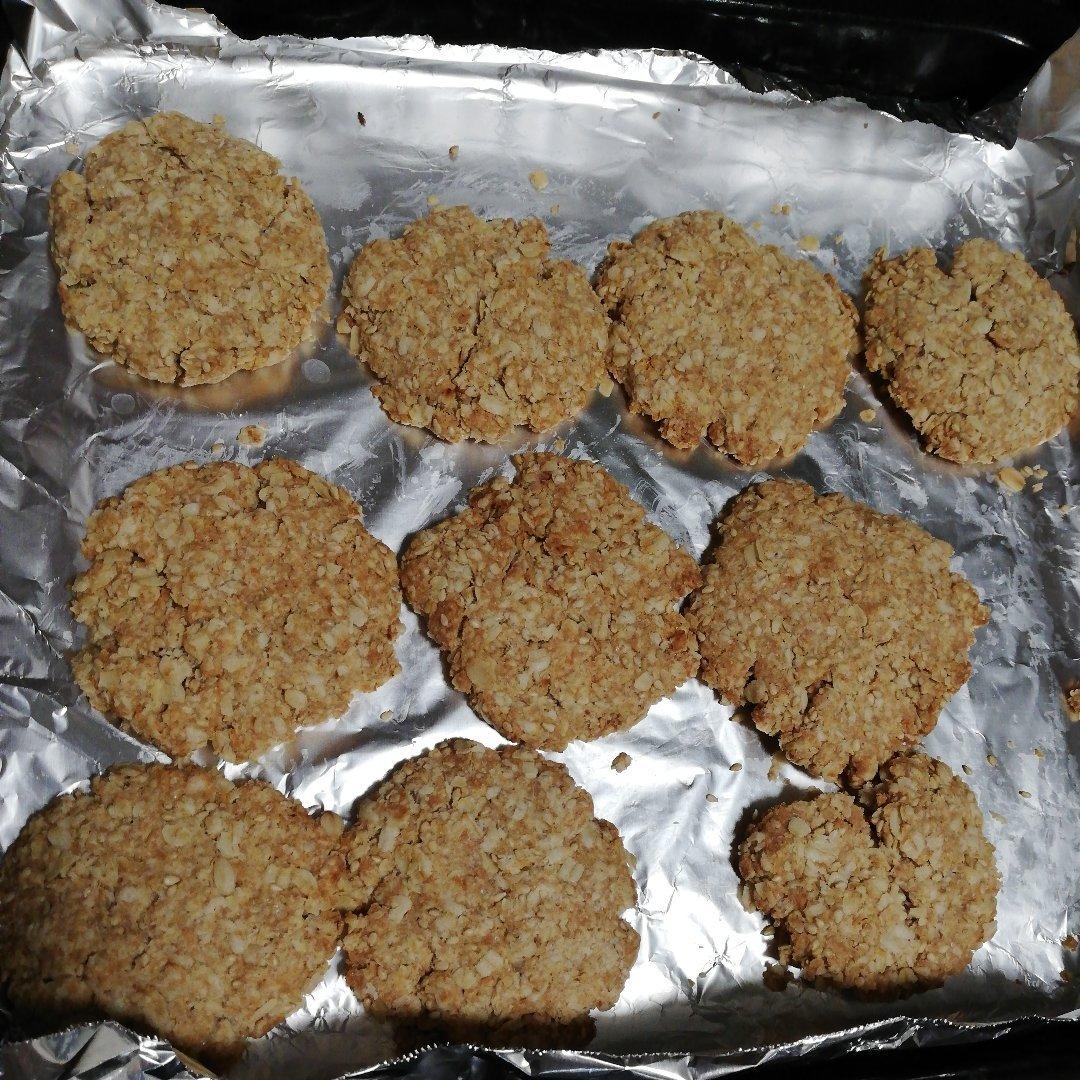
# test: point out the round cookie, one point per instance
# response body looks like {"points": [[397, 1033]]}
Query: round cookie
{"points": [[842, 628], [168, 898], [556, 602], [228, 606], [716, 334], [184, 255], [885, 896], [483, 900], [983, 358], [470, 328]]}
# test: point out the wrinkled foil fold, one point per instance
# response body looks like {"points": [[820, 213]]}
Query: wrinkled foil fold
{"points": [[624, 137]]}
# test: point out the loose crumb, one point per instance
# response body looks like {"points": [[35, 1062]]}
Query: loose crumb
{"points": [[1037, 487], [539, 179], [1039, 752], [966, 768], [991, 760], [1072, 701], [867, 415], [1064, 508], [555, 208], [735, 767], [1070, 942], [454, 151], [710, 797], [1011, 478], [217, 448], [656, 115], [997, 817], [809, 243], [433, 200], [621, 762], [1065, 976], [251, 436], [776, 765], [386, 714], [362, 119], [1010, 744], [780, 208], [1025, 794]]}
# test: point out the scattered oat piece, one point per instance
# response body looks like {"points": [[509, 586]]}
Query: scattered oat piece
{"points": [[184, 255], [1037, 487], [809, 243], [780, 208], [756, 225], [1064, 508], [710, 797], [867, 415], [1039, 752], [775, 765], [72, 147], [656, 115], [253, 435], [1010, 478], [539, 179], [1010, 744], [556, 602], [621, 762], [719, 336], [217, 448], [992, 760], [997, 817], [170, 898], [1070, 942], [433, 200], [1039, 473], [454, 151], [967, 769], [386, 714], [984, 358], [362, 119], [1025, 794], [842, 628], [483, 900], [1072, 701], [534, 355], [735, 766], [228, 606], [885, 896], [554, 211], [776, 977], [1066, 977]]}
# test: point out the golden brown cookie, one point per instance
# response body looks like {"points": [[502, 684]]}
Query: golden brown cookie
{"points": [[184, 255], [885, 896], [483, 900], [556, 602], [471, 328], [716, 334], [228, 606], [168, 898], [842, 628], [983, 358]]}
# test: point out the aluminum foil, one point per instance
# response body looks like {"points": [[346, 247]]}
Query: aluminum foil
{"points": [[623, 137]]}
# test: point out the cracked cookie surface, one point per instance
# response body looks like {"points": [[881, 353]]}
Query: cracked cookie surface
{"points": [[228, 606], [842, 628], [886, 895], [716, 334], [555, 602], [983, 358], [169, 898], [184, 255], [471, 328], [483, 899]]}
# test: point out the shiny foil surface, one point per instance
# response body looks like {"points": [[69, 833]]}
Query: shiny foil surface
{"points": [[623, 137]]}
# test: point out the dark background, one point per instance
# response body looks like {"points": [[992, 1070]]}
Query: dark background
{"points": [[954, 62]]}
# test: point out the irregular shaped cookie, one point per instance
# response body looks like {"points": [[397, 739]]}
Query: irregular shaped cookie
{"points": [[227, 606], [184, 255], [717, 334], [842, 628], [470, 328], [885, 896], [168, 898], [556, 602], [984, 358], [483, 900]]}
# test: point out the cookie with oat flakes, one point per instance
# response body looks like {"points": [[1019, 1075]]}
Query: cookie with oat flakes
{"points": [[841, 627], [228, 606], [983, 358], [716, 334], [169, 898], [470, 328], [556, 602], [885, 895], [184, 255], [483, 900]]}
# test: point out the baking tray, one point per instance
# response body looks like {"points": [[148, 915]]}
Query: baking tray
{"points": [[70, 433]]}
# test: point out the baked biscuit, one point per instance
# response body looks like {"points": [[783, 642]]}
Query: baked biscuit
{"points": [[885, 896], [483, 900], [168, 898], [228, 606], [556, 603], [716, 334], [842, 628], [470, 328], [984, 358], [184, 255]]}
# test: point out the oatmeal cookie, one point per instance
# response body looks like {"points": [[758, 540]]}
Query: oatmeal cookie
{"points": [[887, 895], [717, 334], [984, 358], [556, 603], [470, 328], [842, 628], [184, 255], [482, 900], [168, 898], [227, 606]]}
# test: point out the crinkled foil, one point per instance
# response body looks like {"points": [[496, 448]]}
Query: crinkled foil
{"points": [[623, 137]]}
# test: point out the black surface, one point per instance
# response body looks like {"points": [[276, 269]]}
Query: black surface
{"points": [[950, 61]]}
